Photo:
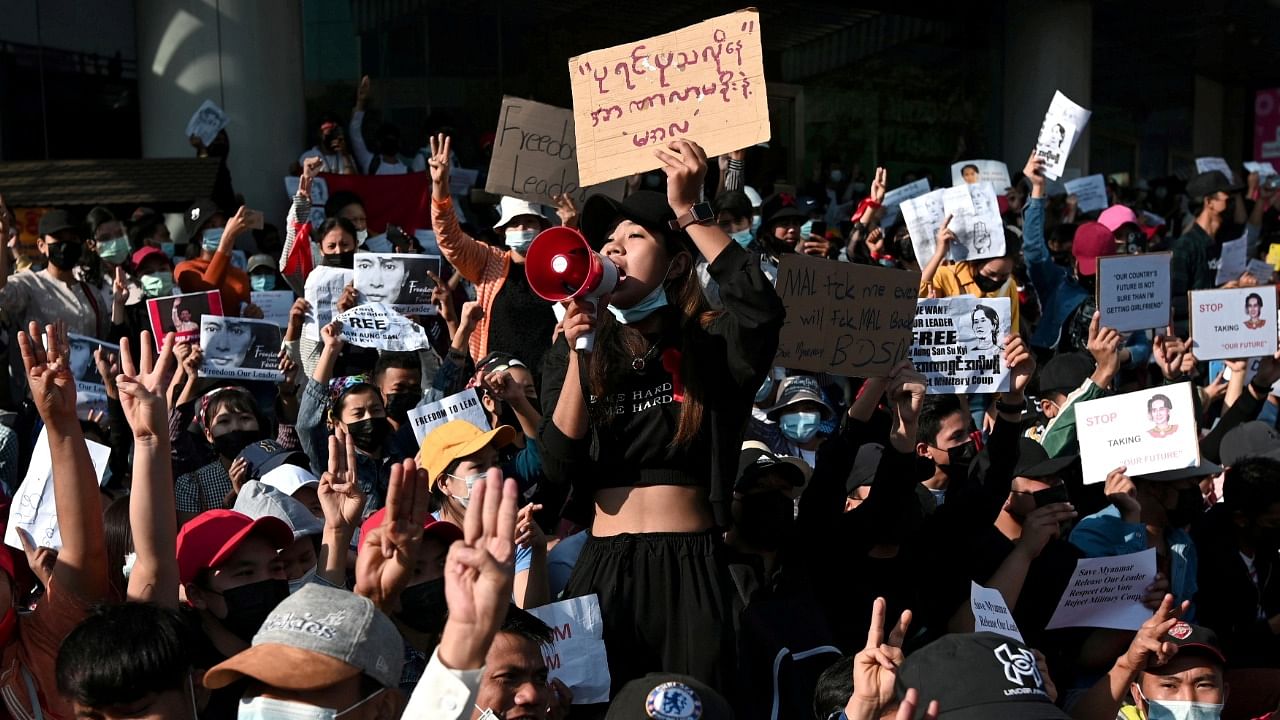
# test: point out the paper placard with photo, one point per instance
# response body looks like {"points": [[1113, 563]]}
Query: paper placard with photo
{"points": [[977, 171], [924, 215], [323, 290], [240, 348], [397, 280], [1133, 291], [206, 122], [958, 344], [91, 391], [1233, 323], [1063, 124], [180, 314], [379, 326], [1145, 431], [976, 221]]}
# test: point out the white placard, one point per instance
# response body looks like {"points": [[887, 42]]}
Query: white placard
{"points": [[323, 289], [924, 215], [1234, 323], [275, 305], [1064, 122], [91, 392], [1263, 169], [459, 406], [397, 280], [958, 344], [378, 326], [976, 221], [576, 655], [461, 180], [1107, 592], [207, 121], [895, 197], [1209, 164], [1233, 260], [1261, 270], [991, 613], [976, 171], [240, 348], [1090, 192], [34, 508], [1134, 291], [1145, 431]]}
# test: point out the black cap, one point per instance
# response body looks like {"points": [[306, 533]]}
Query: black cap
{"points": [[197, 215], [645, 207], [1065, 373], [55, 221], [779, 206], [1034, 461], [978, 676], [1251, 439], [1208, 183], [756, 460], [266, 455], [1194, 639], [667, 695], [1206, 468]]}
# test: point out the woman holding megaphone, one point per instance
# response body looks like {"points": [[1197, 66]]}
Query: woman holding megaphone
{"points": [[648, 423]]}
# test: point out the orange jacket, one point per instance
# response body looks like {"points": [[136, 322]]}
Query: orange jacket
{"points": [[202, 275], [482, 264]]}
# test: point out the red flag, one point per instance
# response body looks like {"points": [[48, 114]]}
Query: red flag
{"points": [[403, 200], [298, 261]]}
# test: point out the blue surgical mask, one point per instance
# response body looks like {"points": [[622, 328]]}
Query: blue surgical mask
{"points": [[767, 387], [114, 250], [837, 176], [643, 309], [307, 577], [806, 230], [743, 237], [169, 249], [157, 284], [755, 224], [211, 239], [378, 244], [1182, 710], [800, 427], [520, 240], [262, 283]]}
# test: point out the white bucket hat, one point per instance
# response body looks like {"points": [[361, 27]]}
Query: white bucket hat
{"points": [[511, 208]]}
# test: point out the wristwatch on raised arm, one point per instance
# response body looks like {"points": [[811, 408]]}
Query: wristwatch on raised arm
{"points": [[699, 214]]}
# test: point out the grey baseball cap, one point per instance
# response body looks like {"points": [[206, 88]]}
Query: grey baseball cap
{"points": [[258, 499], [316, 638]]}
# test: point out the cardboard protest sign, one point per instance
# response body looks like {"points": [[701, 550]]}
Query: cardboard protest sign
{"points": [[1263, 169], [1063, 125], [703, 83], [1090, 192], [1209, 164], [240, 348], [1133, 291], [535, 156], [323, 289], [1107, 592], [1261, 271], [207, 121], [976, 221], [1145, 431], [34, 507], [400, 281], [1233, 260], [844, 318], [1233, 323], [979, 171], [91, 391], [460, 406], [991, 613], [181, 314], [576, 655], [379, 326], [959, 344], [895, 197], [275, 305]]}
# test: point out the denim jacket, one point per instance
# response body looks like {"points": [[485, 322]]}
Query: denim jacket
{"points": [[313, 434]]}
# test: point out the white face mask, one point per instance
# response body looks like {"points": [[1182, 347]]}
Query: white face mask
{"points": [[307, 577], [470, 481], [520, 240], [265, 708], [361, 236]]}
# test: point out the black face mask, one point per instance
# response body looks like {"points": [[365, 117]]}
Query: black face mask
{"points": [[1088, 282], [249, 605], [1062, 257], [423, 607], [389, 146], [767, 518], [1190, 505], [370, 433], [986, 284], [959, 458], [339, 260], [65, 255], [399, 404], [229, 445]]}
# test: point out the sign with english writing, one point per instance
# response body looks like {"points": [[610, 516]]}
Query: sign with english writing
{"points": [[1233, 323], [703, 83], [400, 281], [1107, 592], [991, 613], [240, 348], [576, 655], [844, 318], [959, 344], [1133, 291], [1145, 431], [378, 326], [1090, 192], [977, 171], [460, 406], [275, 305], [535, 156], [91, 391], [1063, 125]]}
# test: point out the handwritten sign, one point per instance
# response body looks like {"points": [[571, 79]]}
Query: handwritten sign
{"points": [[991, 613], [275, 305], [34, 506], [378, 326], [976, 221], [323, 289], [895, 197], [1107, 592], [576, 655], [240, 348], [535, 156], [1134, 292], [1233, 260], [1233, 323], [843, 318], [959, 344], [1090, 192], [91, 391], [207, 121], [460, 406], [1209, 164], [979, 171], [704, 83], [1145, 431], [398, 280], [1063, 125]]}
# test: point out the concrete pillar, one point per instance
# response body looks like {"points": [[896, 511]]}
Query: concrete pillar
{"points": [[1206, 118], [245, 55], [1048, 47]]}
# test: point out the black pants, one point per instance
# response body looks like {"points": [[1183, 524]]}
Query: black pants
{"points": [[666, 602]]}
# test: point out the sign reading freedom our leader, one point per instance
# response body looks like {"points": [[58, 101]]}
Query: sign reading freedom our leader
{"points": [[535, 156], [959, 344], [843, 318], [703, 83]]}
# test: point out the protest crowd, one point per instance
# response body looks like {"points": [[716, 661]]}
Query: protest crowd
{"points": [[998, 445]]}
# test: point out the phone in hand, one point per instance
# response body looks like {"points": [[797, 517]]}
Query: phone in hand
{"points": [[1049, 496], [400, 240], [819, 228], [253, 219]]}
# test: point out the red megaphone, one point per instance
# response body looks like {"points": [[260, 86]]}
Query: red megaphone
{"points": [[561, 265]]}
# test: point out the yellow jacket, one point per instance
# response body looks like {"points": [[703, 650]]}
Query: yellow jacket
{"points": [[957, 279]]}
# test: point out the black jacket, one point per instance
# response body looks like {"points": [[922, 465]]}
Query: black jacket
{"points": [[1227, 601]]}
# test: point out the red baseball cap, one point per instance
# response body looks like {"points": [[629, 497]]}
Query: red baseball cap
{"points": [[441, 529], [210, 538], [1092, 241], [141, 254]]}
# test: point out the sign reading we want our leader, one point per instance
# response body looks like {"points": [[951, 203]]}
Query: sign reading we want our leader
{"points": [[959, 344]]}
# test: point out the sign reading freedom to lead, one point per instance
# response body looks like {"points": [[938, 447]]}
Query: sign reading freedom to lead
{"points": [[704, 83]]}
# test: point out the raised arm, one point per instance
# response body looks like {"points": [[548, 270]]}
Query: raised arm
{"points": [[466, 254], [388, 553], [356, 129], [685, 164], [343, 504], [941, 248]]}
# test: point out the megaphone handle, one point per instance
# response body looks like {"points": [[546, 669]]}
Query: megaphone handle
{"points": [[587, 341]]}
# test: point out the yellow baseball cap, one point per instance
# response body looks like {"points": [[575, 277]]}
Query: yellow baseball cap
{"points": [[458, 439]]}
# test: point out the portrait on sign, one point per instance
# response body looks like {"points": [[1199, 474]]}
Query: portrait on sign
{"points": [[240, 348], [398, 280], [1233, 323]]}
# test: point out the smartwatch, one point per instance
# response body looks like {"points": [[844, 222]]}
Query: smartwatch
{"points": [[699, 214]]}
